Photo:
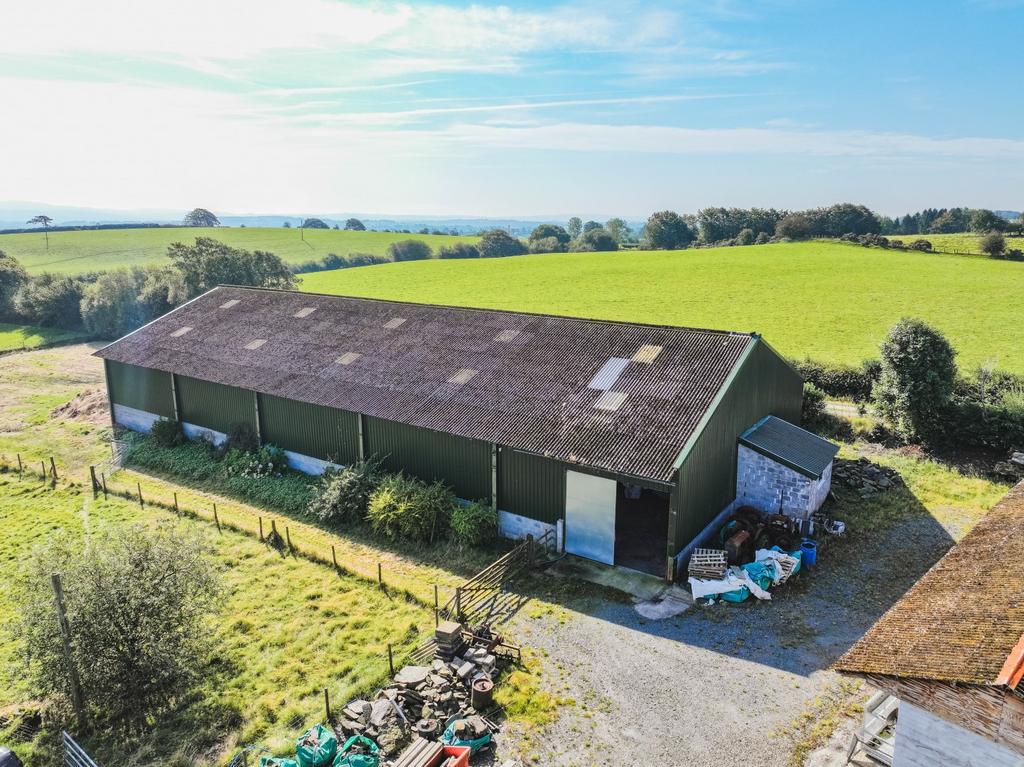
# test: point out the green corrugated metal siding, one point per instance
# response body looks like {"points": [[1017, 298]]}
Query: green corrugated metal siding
{"points": [[140, 388], [764, 385], [214, 406], [320, 432], [462, 464], [531, 486]]}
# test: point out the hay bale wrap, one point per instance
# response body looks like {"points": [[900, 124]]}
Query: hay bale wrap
{"points": [[358, 751], [316, 747]]}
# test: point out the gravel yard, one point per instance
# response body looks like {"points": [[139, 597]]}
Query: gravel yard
{"points": [[725, 684]]}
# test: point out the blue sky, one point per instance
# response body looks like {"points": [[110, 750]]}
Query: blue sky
{"points": [[590, 108]]}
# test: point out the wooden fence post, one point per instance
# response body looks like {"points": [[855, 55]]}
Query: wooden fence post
{"points": [[103, 478], [92, 477], [20, 467], [380, 575], [216, 519], [65, 631], [327, 705], [334, 557], [42, 470], [288, 538], [436, 605], [458, 602], [261, 528], [138, 486], [391, 661], [53, 469], [176, 510]]}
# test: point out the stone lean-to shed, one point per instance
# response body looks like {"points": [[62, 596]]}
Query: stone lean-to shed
{"points": [[783, 469], [952, 651], [622, 437]]}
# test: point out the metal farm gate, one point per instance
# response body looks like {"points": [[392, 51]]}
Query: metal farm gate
{"points": [[74, 754]]}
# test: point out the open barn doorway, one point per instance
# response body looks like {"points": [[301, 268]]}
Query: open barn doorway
{"points": [[641, 528]]}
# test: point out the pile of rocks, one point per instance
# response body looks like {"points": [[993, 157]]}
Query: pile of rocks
{"points": [[864, 476], [1012, 469], [421, 699], [378, 720]]}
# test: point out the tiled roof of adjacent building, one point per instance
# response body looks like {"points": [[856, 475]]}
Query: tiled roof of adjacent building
{"points": [[963, 621], [791, 446], [617, 396]]}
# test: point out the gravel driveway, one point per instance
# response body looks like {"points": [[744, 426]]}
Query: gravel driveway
{"points": [[722, 685]]}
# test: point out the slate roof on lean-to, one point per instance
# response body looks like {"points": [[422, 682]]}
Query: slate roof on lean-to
{"points": [[531, 389], [964, 620]]}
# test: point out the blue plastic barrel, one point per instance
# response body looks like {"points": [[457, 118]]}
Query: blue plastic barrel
{"points": [[809, 552]]}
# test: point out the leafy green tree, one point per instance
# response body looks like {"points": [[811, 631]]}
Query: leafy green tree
{"points": [[314, 223], [745, 237], [458, 250], [993, 244], [51, 300], [287, 224], [354, 225], [210, 263], [667, 230], [44, 221], [201, 217], [618, 229], [547, 245], [918, 373], [409, 250], [138, 602], [590, 225], [12, 277], [111, 306], [795, 226], [986, 221], [499, 243], [544, 231], [574, 227], [594, 240]]}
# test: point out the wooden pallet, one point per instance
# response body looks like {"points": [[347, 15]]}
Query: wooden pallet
{"points": [[420, 753], [710, 564]]}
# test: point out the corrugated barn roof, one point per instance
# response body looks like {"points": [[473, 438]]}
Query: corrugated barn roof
{"points": [[616, 396]]}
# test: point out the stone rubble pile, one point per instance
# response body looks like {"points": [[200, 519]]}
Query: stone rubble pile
{"points": [[862, 475]]}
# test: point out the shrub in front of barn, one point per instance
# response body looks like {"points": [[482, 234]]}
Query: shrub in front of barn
{"points": [[474, 524], [405, 508], [342, 495]]}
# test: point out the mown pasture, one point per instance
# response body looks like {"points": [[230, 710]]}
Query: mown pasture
{"points": [[16, 337], [97, 250], [960, 243], [828, 301]]}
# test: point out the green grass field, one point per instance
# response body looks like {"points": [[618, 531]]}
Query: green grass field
{"points": [[963, 242], [31, 337], [101, 250], [289, 629], [829, 301]]}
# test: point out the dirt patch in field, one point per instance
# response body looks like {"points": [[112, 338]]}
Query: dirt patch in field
{"points": [[89, 406]]}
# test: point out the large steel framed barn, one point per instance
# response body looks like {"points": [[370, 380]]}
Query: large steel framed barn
{"points": [[620, 436]]}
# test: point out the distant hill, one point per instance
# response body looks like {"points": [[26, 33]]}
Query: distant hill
{"points": [[1013, 215]]}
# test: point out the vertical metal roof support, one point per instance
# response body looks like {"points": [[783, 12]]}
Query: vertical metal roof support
{"points": [[673, 505], [256, 409], [362, 437], [174, 396], [494, 476], [110, 400]]}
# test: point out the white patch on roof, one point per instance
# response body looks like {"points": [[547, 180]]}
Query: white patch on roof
{"points": [[647, 353], [610, 400], [348, 358], [305, 311], [609, 373], [506, 335], [181, 331], [394, 322], [255, 344], [463, 376], [229, 304]]}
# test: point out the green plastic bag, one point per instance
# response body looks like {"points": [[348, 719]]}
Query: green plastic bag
{"points": [[275, 761], [316, 747], [367, 755]]}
